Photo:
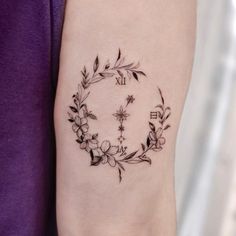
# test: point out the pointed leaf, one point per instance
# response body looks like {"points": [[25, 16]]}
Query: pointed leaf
{"points": [[121, 61], [92, 116], [74, 109], [120, 73], [160, 106], [136, 66], [119, 55], [106, 74], [152, 126], [78, 141], [128, 66], [120, 165], [96, 64], [135, 76], [143, 146], [162, 99], [147, 159], [120, 175], [167, 127], [167, 116], [148, 141], [131, 155], [140, 72], [107, 66]]}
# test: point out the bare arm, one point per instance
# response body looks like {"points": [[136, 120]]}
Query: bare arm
{"points": [[124, 71]]}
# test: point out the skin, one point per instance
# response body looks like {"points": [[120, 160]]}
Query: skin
{"points": [[160, 34]]}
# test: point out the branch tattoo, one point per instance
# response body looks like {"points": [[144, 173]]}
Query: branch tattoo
{"points": [[104, 152]]}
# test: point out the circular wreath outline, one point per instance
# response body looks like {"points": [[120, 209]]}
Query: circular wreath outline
{"points": [[104, 152]]}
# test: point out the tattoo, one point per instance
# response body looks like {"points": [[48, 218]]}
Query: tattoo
{"points": [[116, 156], [121, 115], [120, 70]]}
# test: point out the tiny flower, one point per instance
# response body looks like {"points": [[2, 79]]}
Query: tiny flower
{"points": [[121, 139], [108, 153], [130, 99], [80, 126], [88, 142], [156, 138], [121, 128]]}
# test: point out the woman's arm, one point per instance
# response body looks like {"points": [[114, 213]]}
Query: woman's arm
{"points": [[124, 71]]}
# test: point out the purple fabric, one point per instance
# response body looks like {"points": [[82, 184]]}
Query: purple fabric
{"points": [[30, 34]]}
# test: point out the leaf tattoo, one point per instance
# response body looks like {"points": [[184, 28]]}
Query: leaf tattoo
{"points": [[104, 152], [119, 68]]}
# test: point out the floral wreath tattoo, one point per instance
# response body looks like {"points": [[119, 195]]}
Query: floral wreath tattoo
{"points": [[116, 156]]}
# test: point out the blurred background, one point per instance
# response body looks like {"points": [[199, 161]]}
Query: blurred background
{"points": [[206, 147]]}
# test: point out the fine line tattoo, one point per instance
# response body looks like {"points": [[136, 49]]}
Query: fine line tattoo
{"points": [[116, 156], [121, 115], [120, 70]]}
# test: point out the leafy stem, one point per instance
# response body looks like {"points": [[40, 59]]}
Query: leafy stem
{"points": [[145, 151], [119, 69]]}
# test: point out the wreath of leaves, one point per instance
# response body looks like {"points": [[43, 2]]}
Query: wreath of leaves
{"points": [[104, 152], [119, 68]]}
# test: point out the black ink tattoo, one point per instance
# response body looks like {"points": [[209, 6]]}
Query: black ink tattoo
{"points": [[121, 115], [153, 115], [120, 80], [105, 152], [129, 99], [120, 70]]}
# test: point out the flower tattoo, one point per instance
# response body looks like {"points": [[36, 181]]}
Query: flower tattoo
{"points": [[106, 153], [130, 99]]}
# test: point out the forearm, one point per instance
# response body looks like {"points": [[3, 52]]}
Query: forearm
{"points": [[120, 182]]}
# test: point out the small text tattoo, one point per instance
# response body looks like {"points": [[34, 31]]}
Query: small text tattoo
{"points": [[120, 81], [153, 115]]}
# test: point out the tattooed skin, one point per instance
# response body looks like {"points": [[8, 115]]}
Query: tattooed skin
{"points": [[121, 115], [103, 151]]}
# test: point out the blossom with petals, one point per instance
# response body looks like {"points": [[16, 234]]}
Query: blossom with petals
{"points": [[156, 138], [88, 142], [80, 126], [130, 99], [108, 152]]}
